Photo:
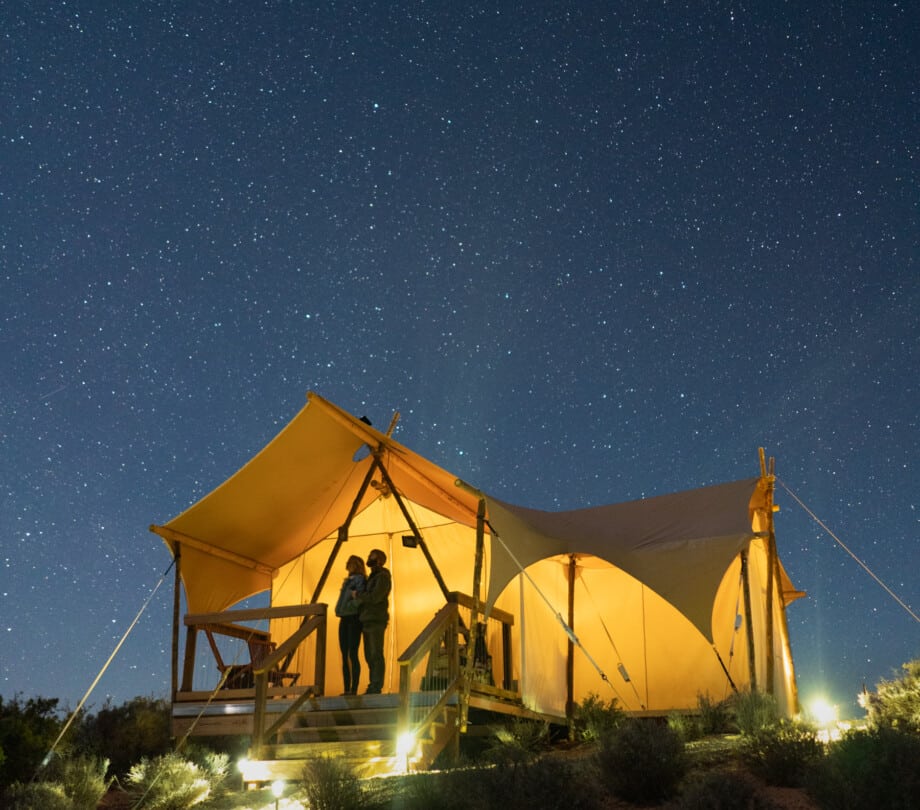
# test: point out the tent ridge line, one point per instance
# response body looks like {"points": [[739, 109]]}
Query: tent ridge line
{"points": [[381, 444], [214, 551]]}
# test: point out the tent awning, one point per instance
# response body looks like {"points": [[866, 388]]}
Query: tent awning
{"points": [[292, 495], [680, 544]]}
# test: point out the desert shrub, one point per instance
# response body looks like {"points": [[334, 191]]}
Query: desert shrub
{"points": [[330, 784], [595, 718], [82, 778], [782, 754], [687, 726], [722, 790], [550, 784], [36, 796], [896, 703], [517, 742], [876, 767], [214, 765], [753, 710], [715, 715], [642, 761], [27, 732], [125, 734], [168, 782]]}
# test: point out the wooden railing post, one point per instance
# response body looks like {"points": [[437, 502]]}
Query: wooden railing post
{"points": [[258, 718]]}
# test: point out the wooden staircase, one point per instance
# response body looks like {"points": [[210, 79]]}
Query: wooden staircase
{"points": [[362, 730]]}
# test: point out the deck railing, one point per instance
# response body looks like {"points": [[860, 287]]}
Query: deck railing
{"points": [[432, 669], [271, 666]]}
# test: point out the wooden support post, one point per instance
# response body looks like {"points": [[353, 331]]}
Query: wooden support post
{"points": [[188, 668], [570, 656], [748, 618], [416, 533], [177, 585], [258, 718], [343, 531], [474, 614], [770, 685]]}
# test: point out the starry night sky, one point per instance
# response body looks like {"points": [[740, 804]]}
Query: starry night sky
{"points": [[590, 251]]}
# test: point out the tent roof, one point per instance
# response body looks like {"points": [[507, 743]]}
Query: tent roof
{"points": [[291, 496], [679, 544], [300, 488]]}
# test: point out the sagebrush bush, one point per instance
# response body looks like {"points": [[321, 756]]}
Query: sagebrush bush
{"points": [[783, 754], [642, 761], [594, 717], [36, 796], [753, 710], [896, 703], [548, 784], [168, 782], [715, 715], [517, 742], [687, 726], [876, 767], [82, 778], [721, 790], [329, 783]]}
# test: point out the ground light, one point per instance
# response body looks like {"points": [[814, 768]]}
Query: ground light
{"points": [[405, 747], [277, 791], [824, 715]]}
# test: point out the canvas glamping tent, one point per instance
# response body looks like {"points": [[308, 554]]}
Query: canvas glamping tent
{"points": [[653, 602]]}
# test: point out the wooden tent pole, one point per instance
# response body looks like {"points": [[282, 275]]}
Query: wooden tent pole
{"points": [[343, 530], [748, 618], [415, 532], [177, 584], [570, 656], [474, 614], [768, 478]]}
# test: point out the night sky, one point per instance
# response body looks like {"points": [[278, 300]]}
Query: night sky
{"points": [[590, 251]]}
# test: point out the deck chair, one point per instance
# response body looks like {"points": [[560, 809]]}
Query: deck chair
{"points": [[259, 650]]}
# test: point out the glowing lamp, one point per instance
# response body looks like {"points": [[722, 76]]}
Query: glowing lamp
{"points": [[822, 712]]}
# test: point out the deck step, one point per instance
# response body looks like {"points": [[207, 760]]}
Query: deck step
{"points": [[340, 733]]}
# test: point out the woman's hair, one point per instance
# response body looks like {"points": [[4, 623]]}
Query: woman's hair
{"points": [[355, 565]]}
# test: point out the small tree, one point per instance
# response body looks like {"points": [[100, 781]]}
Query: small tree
{"points": [[127, 733], [875, 767], [896, 703], [27, 732]]}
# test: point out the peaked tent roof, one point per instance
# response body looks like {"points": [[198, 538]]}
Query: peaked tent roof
{"points": [[291, 496], [300, 488]]}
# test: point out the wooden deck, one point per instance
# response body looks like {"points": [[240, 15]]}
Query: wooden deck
{"points": [[361, 729]]}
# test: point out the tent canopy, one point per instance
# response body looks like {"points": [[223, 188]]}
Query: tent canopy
{"points": [[290, 497], [271, 518]]}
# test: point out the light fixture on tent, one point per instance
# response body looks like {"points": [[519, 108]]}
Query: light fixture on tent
{"points": [[409, 541], [382, 487]]}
